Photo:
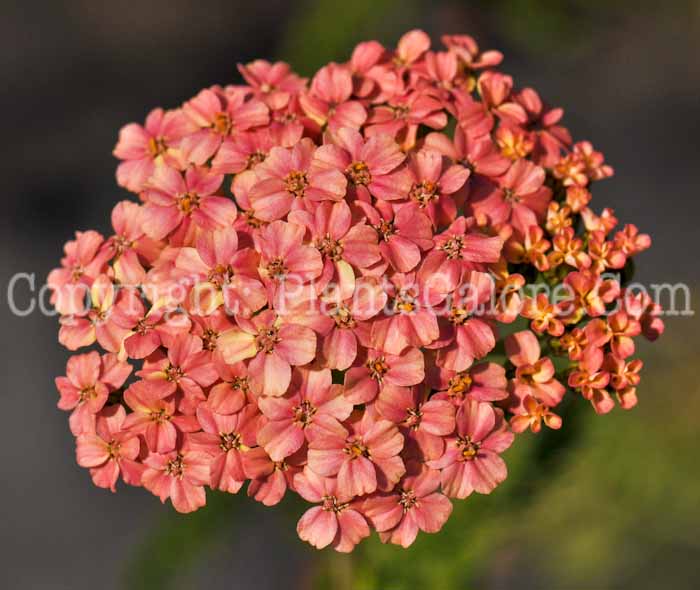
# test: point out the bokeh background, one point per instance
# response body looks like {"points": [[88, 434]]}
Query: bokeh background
{"points": [[608, 502]]}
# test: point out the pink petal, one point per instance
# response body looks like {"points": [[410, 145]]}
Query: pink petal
{"points": [[475, 419], [280, 439], [317, 527], [297, 345], [357, 477], [91, 450], [352, 529], [270, 374]]}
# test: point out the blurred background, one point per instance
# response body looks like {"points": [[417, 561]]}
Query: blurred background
{"points": [[608, 502]]}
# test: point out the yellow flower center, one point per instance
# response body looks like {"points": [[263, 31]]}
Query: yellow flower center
{"points": [[176, 467], [329, 247], [358, 173], [377, 368], [266, 339], [222, 123], [229, 441], [157, 146], [424, 192], [296, 182], [468, 447], [453, 247], [188, 203], [304, 413]]}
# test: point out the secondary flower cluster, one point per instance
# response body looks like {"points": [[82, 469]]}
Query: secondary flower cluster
{"points": [[307, 293]]}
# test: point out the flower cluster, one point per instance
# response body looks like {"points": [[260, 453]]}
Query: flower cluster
{"points": [[316, 282]]}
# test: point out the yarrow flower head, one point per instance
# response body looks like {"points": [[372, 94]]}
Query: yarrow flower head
{"points": [[314, 285]]}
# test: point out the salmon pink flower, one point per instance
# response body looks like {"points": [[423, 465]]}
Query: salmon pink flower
{"points": [[174, 203], [209, 328], [84, 260], [578, 198], [529, 247], [466, 334], [534, 413], [342, 244], [89, 380], [624, 378], [471, 461], [472, 116], [143, 148], [403, 114], [350, 315], [604, 253], [336, 522], [147, 329], [273, 83], [618, 329], [442, 68], [154, 416], [417, 505], [460, 248], [484, 382], [232, 392], [187, 367], [495, 90], [559, 217], [96, 322], [627, 397], [110, 451], [591, 379], [312, 406], [424, 420], [327, 101], [218, 116], [180, 476], [273, 347], [467, 50], [403, 232], [508, 288], [593, 161], [605, 222], [269, 480], [589, 294], [371, 166], [246, 223], [287, 179], [433, 185], [543, 315], [534, 376], [292, 120], [129, 244], [513, 142], [245, 151], [574, 343], [411, 47], [284, 258], [550, 137], [630, 241], [364, 68], [410, 317], [569, 249], [478, 154], [641, 307], [364, 457], [623, 374], [520, 197], [227, 275], [374, 369], [226, 438]]}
